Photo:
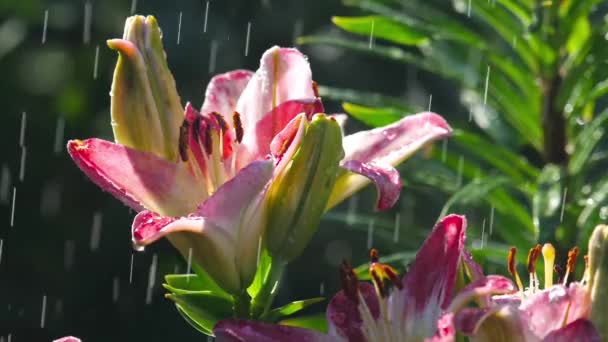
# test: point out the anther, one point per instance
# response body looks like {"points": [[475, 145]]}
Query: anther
{"points": [[379, 272], [560, 273], [315, 88], [221, 122], [349, 281], [549, 259], [238, 126], [208, 142], [513, 269], [572, 255], [183, 141]]}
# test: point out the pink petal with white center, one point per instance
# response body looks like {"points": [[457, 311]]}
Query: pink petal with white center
{"points": [[580, 330], [138, 179], [385, 177], [445, 329], [284, 74], [246, 331], [257, 141], [344, 317], [286, 143], [212, 235], [482, 288], [432, 275], [388, 145], [546, 311], [223, 92], [67, 339]]}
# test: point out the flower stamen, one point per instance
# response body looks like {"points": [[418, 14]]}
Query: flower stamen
{"points": [[349, 281], [513, 269], [549, 260], [380, 273], [572, 255], [532, 258]]}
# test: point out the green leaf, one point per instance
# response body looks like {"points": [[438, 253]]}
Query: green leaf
{"points": [[202, 309], [585, 142], [314, 322], [290, 309], [261, 274], [588, 216], [198, 281], [381, 27], [373, 117], [365, 98], [547, 202], [581, 30], [474, 193]]}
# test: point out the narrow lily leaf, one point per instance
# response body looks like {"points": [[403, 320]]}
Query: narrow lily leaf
{"points": [[381, 27], [585, 142], [373, 117], [290, 309], [589, 217], [547, 202], [198, 281], [365, 98], [581, 30], [204, 309], [314, 322], [262, 272], [474, 193], [198, 323]]}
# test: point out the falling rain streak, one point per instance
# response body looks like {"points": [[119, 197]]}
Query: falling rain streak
{"points": [[133, 6], [45, 25], [189, 265], [561, 214], [298, 28], [469, 9], [151, 278], [247, 39], [370, 234], [96, 64], [397, 228], [485, 92], [22, 130], [257, 263], [96, 231], [322, 289], [13, 207], [68, 254], [212, 56], [43, 313], [5, 184], [444, 150], [206, 17], [86, 30], [179, 28], [131, 270], [115, 289], [59, 135], [483, 232], [491, 221], [22, 163], [460, 170], [371, 36], [1, 245]]}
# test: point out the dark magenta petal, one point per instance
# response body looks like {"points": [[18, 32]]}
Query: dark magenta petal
{"points": [[385, 177], [580, 330], [250, 331], [343, 314]]}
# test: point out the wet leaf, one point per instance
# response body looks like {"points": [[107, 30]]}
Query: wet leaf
{"points": [[381, 27], [547, 202], [290, 309]]}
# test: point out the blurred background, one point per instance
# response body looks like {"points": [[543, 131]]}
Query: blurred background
{"points": [[66, 261]]}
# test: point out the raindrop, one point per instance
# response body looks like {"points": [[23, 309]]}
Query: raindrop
{"points": [[5, 184], [45, 25], [131, 270], [352, 208], [96, 231], [1, 245], [22, 163], [189, 265], [471, 113], [59, 128], [370, 234], [58, 307], [86, 31], [298, 28], [257, 263], [247, 39], [50, 199], [483, 232], [69, 249], [206, 17], [151, 278], [444, 150], [430, 102], [212, 56], [133, 6], [469, 9], [485, 92], [561, 214], [179, 28], [491, 220], [460, 169], [371, 36], [397, 228], [115, 289], [13, 207], [568, 108], [96, 64], [22, 130], [43, 313], [603, 216], [322, 289], [580, 121]]}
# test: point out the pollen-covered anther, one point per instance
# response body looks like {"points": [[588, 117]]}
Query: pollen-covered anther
{"points": [[511, 267], [532, 258], [315, 88], [572, 256], [380, 272], [208, 140], [220, 121], [238, 126], [349, 281], [183, 140]]}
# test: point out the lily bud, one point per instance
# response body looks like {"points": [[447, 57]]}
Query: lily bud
{"points": [[146, 109], [309, 155], [598, 279]]}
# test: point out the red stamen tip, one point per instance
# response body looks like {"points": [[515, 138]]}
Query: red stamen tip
{"points": [[238, 126]]}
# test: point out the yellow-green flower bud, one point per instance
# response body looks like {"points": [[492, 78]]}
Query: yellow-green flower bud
{"points": [[598, 279], [146, 109], [298, 196]]}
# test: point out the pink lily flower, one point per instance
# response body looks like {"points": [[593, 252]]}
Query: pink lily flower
{"points": [[416, 309], [67, 339], [200, 178], [559, 312]]}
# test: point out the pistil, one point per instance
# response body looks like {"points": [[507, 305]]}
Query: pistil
{"points": [[549, 259]]}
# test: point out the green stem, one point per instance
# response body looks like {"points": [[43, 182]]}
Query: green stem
{"points": [[242, 304], [263, 300]]}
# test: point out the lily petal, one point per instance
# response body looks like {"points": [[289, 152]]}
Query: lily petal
{"points": [[258, 141], [385, 177], [498, 323], [344, 317], [482, 288], [446, 331], [211, 236], [223, 92], [388, 145], [67, 339], [432, 275], [468, 320], [244, 331], [580, 330], [139, 179], [284, 75]]}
